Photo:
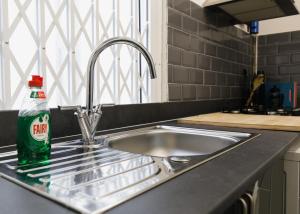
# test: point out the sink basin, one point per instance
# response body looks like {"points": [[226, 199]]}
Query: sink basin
{"points": [[167, 141], [119, 166]]}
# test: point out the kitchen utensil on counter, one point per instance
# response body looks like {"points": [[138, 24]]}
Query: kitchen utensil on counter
{"points": [[257, 83], [276, 98]]}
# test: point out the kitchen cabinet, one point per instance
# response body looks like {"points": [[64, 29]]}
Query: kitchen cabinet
{"points": [[291, 167], [270, 194]]}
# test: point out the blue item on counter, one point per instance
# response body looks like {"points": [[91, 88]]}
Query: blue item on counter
{"points": [[254, 27], [288, 92]]}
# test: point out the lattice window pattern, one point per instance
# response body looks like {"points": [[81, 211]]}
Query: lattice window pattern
{"points": [[55, 38]]}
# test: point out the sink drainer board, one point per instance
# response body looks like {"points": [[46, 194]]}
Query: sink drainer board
{"points": [[93, 180]]}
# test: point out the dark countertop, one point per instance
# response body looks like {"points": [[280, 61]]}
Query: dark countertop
{"points": [[209, 188]]}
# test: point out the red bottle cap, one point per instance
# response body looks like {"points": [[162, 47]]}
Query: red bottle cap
{"points": [[36, 81]]}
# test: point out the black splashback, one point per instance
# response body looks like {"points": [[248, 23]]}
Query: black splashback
{"points": [[64, 123]]}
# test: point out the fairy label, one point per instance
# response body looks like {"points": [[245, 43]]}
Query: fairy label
{"points": [[39, 128]]}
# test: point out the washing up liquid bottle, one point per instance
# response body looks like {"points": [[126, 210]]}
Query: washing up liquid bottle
{"points": [[34, 125]]}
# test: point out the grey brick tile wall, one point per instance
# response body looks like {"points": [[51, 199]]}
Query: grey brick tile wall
{"points": [[279, 57], [196, 76], [203, 92], [189, 92], [207, 56], [175, 92], [180, 74], [296, 36], [295, 58], [225, 92], [289, 48]]}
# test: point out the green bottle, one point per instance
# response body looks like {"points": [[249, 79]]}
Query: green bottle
{"points": [[34, 126]]}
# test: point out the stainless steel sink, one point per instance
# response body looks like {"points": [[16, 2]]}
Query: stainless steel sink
{"points": [[124, 165], [167, 141]]}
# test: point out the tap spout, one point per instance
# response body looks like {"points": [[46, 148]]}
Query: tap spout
{"points": [[98, 51]]}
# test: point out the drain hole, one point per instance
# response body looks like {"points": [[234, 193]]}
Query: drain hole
{"points": [[180, 159]]}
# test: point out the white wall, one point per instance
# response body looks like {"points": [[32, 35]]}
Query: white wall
{"points": [[279, 25]]}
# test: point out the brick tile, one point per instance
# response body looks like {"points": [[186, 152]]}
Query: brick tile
{"points": [[267, 50], [225, 92], [174, 18], [174, 92], [189, 92], [234, 44], [182, 5], [196, 76], [170, 36], [289, 69], [242, 47], [239, 58], [250, 50], [295, 58], [289, 48], [180, 75], [233, 31], [228, 67], [204, 31], [174, 55], [230, 80], [217, 64], [197, 45], [235, 69], [262, 40], [203, 92], [215, 92], [282, 59], [221, 79], [222, 53], [216, 36], [232, 55], [181, 39], [170, 73], [189, 59], [190, 25], [261, 61], [210, 78], [296, 36], [210, 49], [204, 62], [247, 60], [278, 38], [278, 79]]}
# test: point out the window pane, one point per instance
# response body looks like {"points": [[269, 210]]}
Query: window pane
{"points": [[55, 38]]}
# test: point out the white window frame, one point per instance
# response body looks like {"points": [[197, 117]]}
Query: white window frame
{"points": [[158, 49]]}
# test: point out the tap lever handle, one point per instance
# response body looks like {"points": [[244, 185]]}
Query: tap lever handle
{"points": [[63, 108], [108, 105], [98, 108]]}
